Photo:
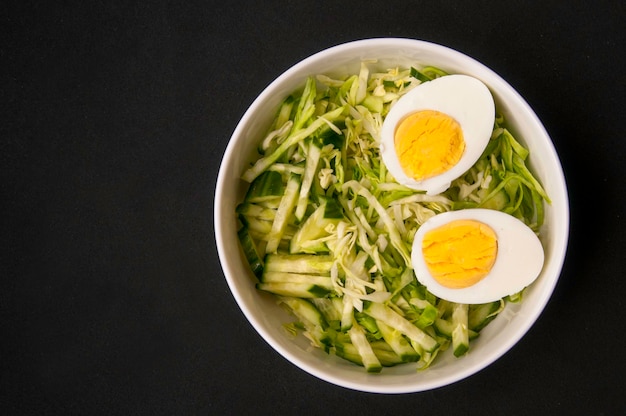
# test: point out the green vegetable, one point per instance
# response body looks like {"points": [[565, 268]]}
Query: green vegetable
{"points": [[460, 330], [328, 230], [293, 139], [283, 213], [481, 315], [250, 250], [364, 349], [314, 152], [267, 186], [393, 319]]}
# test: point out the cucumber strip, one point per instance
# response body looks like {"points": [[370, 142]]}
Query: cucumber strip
{"points": [[397, 342], [481, 315], [297, 290], [299, 263], [385, 314], [419, 76], [310, 169], [257, 225], [256, 211], [262, 236], [332, 134], [309, 316], [270, 203], [386, 357], [285, 210], [250, 251], [347, 313], [311, 246], [266, 186], [374, 104], [427, 317], [433, 72], [282, 277], [364, 349], [368, 324], [445, 308], [444, 328], [305, 311], [332, 209], [327, 308], [460, 333], [286, 168], [349, 352]]}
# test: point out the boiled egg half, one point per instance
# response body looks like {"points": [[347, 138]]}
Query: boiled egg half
{"points": [[476, 255], [437, 131]]}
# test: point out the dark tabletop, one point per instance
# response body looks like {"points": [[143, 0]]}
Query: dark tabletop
{"points": [[115, 116]]}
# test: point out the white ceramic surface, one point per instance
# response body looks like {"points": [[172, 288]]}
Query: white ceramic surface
{"points": [[261, 310]]}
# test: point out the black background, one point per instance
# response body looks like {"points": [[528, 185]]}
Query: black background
{"points": [[115, 116]]}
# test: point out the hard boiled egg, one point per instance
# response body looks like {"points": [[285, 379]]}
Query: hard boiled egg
{"points": [[476, 255], [436, 132]]}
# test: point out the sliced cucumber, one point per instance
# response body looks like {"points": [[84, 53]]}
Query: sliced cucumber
{"points": [[327, 135], [460, 333], [300, 290], [299, 263], [388, 316], [283, 213], [329, 308], [481, 315], [305, 311], [266, 186], [427, 317], [332, 209], [398, 343], [444, 328], [373, 103], [250, 251], [257, 225], [282, 277], [364, 349], [251, 210], [310, 169], [386, 357], [348, 352]]}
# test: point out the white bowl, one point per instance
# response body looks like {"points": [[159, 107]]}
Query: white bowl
{"points": [[261, 310]]}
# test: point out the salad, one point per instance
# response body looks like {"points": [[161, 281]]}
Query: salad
{"points": [[328, 230]]}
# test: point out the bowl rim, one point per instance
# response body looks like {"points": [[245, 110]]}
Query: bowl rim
{"points": [[365, 386]]}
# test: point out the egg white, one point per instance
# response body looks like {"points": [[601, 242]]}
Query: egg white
{"points": [[519, 259], [464, 98]]}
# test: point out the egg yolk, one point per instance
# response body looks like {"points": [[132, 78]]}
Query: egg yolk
{"points": [[460, 253], [428, 143]]}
